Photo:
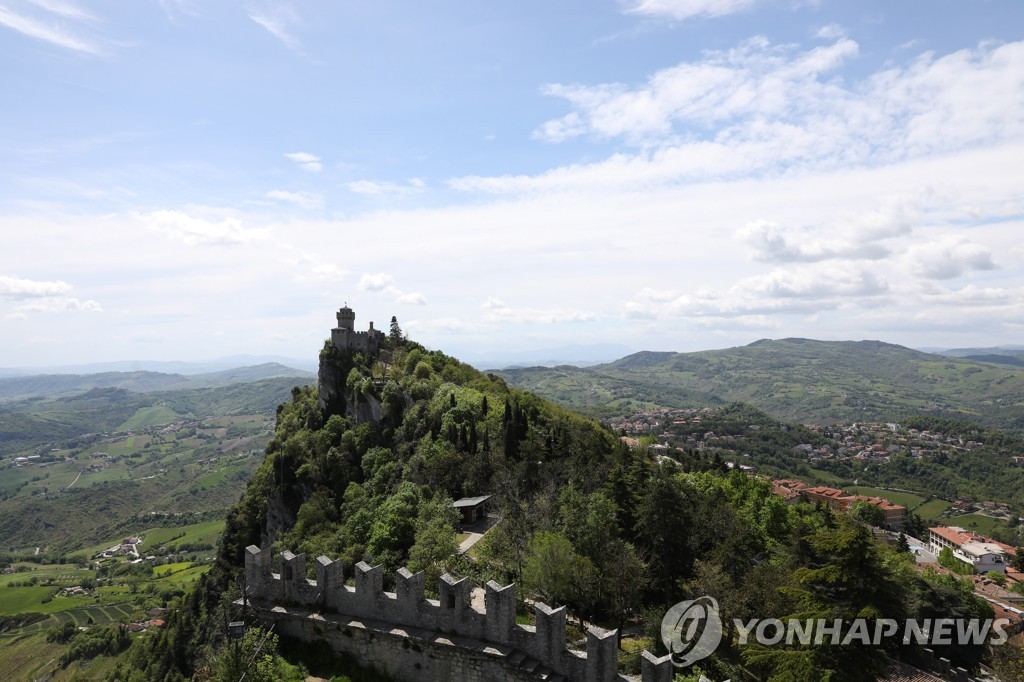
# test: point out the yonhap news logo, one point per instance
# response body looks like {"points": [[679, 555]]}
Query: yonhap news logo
{"points": [[692, 630]]}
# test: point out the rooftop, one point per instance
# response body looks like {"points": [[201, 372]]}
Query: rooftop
{"points": [[471, 501]]}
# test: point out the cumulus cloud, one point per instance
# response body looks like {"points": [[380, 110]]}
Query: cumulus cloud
{"points": [[302, 199], [498, 311], [199, 231], [42, 296], [18, 288], [804, 291], [859, 236], [950, 257], [761, 108], [59, 305], [383, 283], [380, 282], [978, 296], [773, 243], [412, 298], [686, 9], [306, 161], [753, 79], [373, 188]]}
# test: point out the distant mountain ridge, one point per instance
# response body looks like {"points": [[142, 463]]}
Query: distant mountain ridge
{"points": [[800, 380], [61, 385], [162, 366]]}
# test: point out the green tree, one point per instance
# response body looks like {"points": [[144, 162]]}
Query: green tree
{"points": [[948, 560], [255, 659], [395, 334], [868, 513], [549, 568], [435, 541]]}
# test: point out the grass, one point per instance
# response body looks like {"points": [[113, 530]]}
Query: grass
{"points": [[197, 533], [157, 415], [979, 523], [15, 600], [28, 656], [186, 577], [168, 569], [908, 500], [828, 477], [932, 509]]}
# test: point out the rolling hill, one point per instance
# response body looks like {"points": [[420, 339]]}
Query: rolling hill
{"points": [[58, 385], [799, 380]]}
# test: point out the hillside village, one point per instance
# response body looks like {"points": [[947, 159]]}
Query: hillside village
{"points": [[664, 429]]}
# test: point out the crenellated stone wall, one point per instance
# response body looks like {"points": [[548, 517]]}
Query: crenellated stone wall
{"points": [[414, 638]]}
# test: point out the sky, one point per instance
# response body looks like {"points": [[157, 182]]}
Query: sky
{"points": [[186, 180]]}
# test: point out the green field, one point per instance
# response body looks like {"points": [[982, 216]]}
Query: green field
{"points": [[932, 509], [15, 600], [205, 533], [979, 523], [157, 415], [186, 577], [908, 500]]}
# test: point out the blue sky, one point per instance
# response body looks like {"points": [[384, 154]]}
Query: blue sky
{"points": [[188, 180]]}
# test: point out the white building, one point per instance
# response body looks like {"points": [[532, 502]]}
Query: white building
{"points": [[984, 556], [980, 552]]}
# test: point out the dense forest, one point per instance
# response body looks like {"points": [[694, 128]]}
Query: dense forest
{"points": [[366, 468]]}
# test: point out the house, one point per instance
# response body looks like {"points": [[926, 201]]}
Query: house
{"points": [[831, 497], [980, 552], [473, 508], [895, 514]]}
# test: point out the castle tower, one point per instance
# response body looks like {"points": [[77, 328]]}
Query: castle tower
{"points": [[346, 319]]}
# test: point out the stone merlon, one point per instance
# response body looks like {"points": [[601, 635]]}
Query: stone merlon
{"points": [[410, 637]]}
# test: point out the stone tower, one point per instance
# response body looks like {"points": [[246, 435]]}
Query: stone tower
{"points": [[345, 337], [347, 319]]}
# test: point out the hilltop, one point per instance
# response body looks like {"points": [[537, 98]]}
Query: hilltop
{"points": [[362, 473], [140, 381], [799, 380]]}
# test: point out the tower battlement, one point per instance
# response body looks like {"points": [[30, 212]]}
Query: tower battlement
{"points": [[345, 337], [451, 634]]}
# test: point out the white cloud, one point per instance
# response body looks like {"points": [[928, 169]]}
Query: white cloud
{"points": [[802, 291], [18, 288], [374, 188], [380, 282], [974, 296], [383, 283], [45, 31], [306, 161], [413, 298], [174, 7], [851, 237], [59, 305], [63, 9], [761, 108], [278, 21], [831, 32], [498, 311], [804, 245], [199, 231], [302, 199], [950, 257], [685, 9]]}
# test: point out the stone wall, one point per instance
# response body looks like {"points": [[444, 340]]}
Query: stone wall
{"points": [[414, 638]]}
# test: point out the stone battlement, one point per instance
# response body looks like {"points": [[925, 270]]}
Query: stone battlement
{"points": [[462, 641]]}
